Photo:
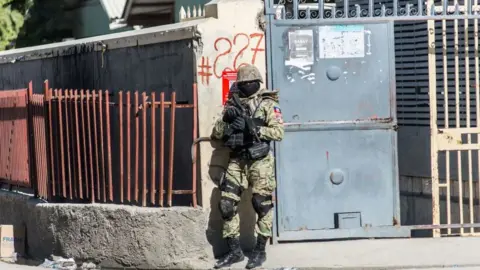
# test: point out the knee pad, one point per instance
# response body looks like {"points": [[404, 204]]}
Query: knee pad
{"points": [[228, 186], [258, 202], [228, 208]]}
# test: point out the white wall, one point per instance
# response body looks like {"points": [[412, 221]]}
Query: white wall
{"points": [[231, 39]]}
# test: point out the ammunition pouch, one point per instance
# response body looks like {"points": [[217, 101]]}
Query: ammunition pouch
{"points": [[258, 150], [246, 144], [227, 133], [235, 140]]}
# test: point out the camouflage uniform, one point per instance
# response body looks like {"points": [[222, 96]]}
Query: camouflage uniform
{"points": [[263, 110], [257, 174]]}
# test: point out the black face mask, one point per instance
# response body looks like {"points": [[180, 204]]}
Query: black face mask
{"points": [[248, 88]]}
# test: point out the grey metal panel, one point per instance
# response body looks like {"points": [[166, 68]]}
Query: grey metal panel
{"points": [[344, 126], [308, 198], [320, 99]]}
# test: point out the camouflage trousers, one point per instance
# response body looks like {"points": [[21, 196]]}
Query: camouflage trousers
{"points": [[260, 176]]}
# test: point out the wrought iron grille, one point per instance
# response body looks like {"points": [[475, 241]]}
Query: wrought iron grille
{"points": [[371, 9]]}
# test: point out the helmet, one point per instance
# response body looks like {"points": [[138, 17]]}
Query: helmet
{"points": [[247, 73]]}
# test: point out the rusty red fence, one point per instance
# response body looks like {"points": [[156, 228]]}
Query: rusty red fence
{"points": [[94, 145], [73, 143], [112, 147], [37, 143], [14, 151]]}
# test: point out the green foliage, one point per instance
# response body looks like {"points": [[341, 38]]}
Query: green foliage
{"points": [[48, 21], [12, 18]]}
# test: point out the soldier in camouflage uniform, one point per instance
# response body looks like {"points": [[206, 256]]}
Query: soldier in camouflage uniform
{"points": [[251, 161]]}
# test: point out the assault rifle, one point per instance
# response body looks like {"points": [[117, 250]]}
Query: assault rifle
{"points": [[249, 123], [259, 149]]}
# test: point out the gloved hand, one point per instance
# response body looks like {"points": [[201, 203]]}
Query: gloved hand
{"points": [[230, 114], [238, 123]]}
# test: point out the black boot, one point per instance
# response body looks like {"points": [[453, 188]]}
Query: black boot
{"points": [[235, 254], [259, 256]]}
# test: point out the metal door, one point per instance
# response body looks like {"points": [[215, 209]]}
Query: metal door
{"points": [[337, 165]]}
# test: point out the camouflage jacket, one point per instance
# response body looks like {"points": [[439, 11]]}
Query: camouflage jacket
{"points": [[265, 106]]}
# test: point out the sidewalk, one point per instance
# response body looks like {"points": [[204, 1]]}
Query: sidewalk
{"points": [[422, 253], [382, 254], [7, 266]]}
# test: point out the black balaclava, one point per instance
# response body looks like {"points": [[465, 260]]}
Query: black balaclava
{"points": [[248, 88]]}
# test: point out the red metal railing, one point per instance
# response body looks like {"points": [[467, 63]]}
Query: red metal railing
{"points": [[102, 147], [94, 145], [37, 142], [14, 163]]}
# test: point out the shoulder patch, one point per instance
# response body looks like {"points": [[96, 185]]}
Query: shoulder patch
{"points": [[278, 114]]}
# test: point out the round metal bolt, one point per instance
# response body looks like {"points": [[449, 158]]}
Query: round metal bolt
{"points": [[336, 177], [333, 73]]}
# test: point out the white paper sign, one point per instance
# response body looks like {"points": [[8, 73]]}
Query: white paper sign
{"points": [[341, 41], [300, 47]]}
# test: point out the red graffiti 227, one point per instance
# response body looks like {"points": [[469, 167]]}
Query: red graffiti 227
{"points": [[224, 46]]}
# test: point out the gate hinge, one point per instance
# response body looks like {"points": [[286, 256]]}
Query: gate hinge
{"points": [[395, 127]]}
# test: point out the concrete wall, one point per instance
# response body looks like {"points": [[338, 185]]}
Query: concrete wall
{"points": [[227, 41], [111, 235]]}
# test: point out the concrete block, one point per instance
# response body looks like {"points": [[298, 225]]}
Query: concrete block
{"points": [[111, 235]]}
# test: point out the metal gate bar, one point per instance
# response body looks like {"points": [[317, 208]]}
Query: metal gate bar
{"points": [[37, 143], [442, 226], [477, 89], [445, 83], [451, 139]]}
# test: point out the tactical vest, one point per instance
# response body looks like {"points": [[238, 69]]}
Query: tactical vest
{"points": [[252, 148]]}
